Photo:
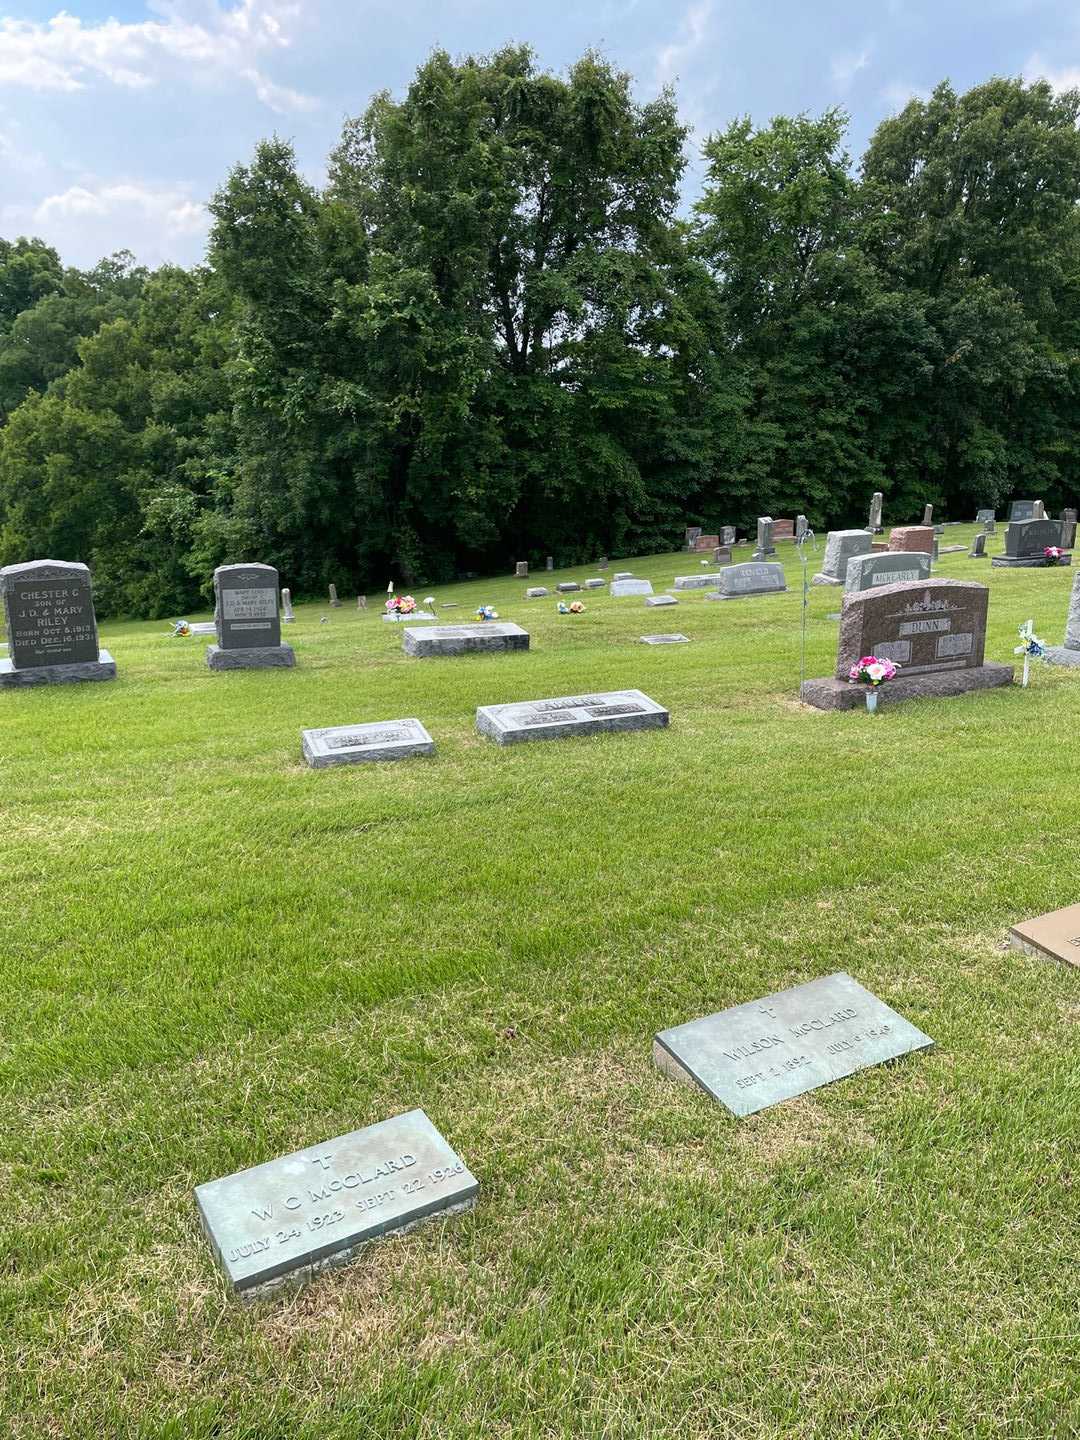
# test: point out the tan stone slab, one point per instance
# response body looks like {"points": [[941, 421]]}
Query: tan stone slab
{"points": [[1056, 935]]}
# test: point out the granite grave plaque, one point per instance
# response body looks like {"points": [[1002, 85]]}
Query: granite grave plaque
{"points": [[485, 636], [665, 639], [704, 581], [353, 744], [761, 1053], [621, 588], [1056, 935], [303, 1212], [935, 631], [246, 616], [886, 567], [623, 575], [567, 715], [756, 577], [51, 626], [653, 602], [840, 546]]}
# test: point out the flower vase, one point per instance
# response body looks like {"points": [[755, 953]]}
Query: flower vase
{"points": [[871, 701]]}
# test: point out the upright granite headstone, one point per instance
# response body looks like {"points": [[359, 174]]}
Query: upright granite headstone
{"points": [[246, 616], [928, 515], [361, 602], [840, 546], [727, 534], [757, 577], [1039, 512], [287, 616], [521, 570], [1022, 510], [567, 715], [765, 546], [621, 588], [304, 1212], [934, 630], [986, 518], [690, 536], [335, 603], [549, 563], [1069, 652], [801, 527], [1068, 534], [722, 555], [1070, 516], [873, 524], [706, 542], [783, 530], [756, 1055], [51, 626], [913, 537], [1026, 543], [886, 567], [978, 547]]}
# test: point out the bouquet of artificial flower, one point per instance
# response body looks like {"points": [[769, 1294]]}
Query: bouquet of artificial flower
{"points": [[576, 607], [1053, 554], [872, 671], [486, 612], [400, 605], [181, 627], [1032, 647]]}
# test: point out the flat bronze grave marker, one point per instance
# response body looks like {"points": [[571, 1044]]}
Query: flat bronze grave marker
{"points": [[305, 1211], [1056, 935], [755, 1055]]}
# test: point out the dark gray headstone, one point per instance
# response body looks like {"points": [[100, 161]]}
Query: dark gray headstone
{"points": [[247, 620], [727, 535], [1022, 510], [978, 546], [928, 515], [986, 516], [298, 1214], [567, 715], [1026, 542], [759, 1054], [51, 626], [549, 563], [335, 603]]}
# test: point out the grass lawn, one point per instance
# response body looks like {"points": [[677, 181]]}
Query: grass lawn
{"points": [[212, 955]]}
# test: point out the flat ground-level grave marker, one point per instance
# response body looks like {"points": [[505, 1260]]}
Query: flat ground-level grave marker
{"points": [[306, 1211], [351, 744], [1056, 935], [565, 715], [665, 639], [755, 1055], [484, 636]]}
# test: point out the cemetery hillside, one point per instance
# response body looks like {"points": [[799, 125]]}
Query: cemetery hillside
{"points": [[215, 955], [538, 712]]}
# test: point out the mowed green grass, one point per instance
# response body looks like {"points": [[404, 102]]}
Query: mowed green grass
{"points": [[212, 955]]}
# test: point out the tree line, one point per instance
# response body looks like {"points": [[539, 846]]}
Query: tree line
{"points": [[495, 335]]}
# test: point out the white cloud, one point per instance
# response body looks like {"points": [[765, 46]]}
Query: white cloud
{"points": [[692, 33], [64, 55], [1066, 77], [897, 93], [159, 222], [844, 68]]}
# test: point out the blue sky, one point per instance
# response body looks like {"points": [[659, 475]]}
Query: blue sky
{"points": [[118, 120]]}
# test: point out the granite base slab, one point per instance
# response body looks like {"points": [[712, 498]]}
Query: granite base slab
{"points": [[484, 637], [257, 657], [103, 668], [1061, 655], [831, 694], [415, 615], [353, 744], [1025, 562], [567, 715]]}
